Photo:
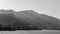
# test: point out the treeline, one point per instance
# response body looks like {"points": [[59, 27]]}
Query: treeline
{"points": [[10, 28]]}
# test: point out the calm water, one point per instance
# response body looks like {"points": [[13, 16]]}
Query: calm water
{"points": [[31, 32]]}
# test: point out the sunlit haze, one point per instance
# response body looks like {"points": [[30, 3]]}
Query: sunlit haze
{"points": [[49, 7]]}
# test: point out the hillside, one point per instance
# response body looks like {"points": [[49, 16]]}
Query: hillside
{"points": [[29, 17], [37, 19]]}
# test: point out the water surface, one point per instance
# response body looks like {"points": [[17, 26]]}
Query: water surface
{"points": [[31, 32]]}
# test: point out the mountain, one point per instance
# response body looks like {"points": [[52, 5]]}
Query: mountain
{"points": [[7, 17], [30, 17], [39, 20]]}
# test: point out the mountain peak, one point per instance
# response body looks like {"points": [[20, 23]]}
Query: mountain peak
{"points": [[28, 11]]}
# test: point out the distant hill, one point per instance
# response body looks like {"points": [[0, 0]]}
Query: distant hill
{"points": [[37, 19], [33, 18]]}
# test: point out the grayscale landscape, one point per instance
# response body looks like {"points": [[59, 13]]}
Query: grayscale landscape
{"points": [[27, 22], [29, 16]]}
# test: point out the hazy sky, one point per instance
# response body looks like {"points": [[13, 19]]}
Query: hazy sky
{"points": [[50, 7]]}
